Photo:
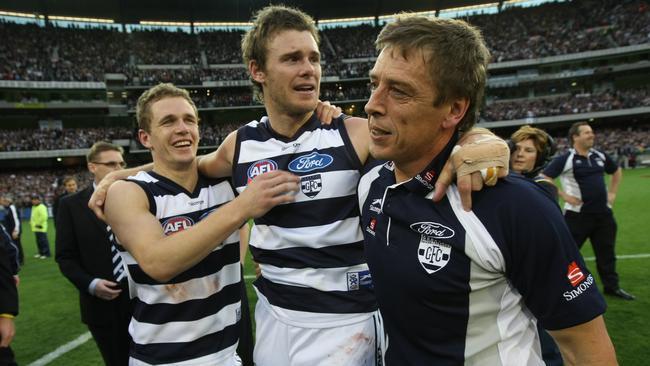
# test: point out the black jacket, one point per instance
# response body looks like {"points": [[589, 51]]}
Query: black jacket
{"points": [[83, 253], [8, 267]]}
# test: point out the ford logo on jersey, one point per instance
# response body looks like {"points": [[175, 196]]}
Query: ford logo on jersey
{"points": [[261, 167], [433, 229], [307, 163]]}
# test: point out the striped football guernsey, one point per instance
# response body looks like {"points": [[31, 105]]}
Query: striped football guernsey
{"points": [[310, 251], [194, 317]]}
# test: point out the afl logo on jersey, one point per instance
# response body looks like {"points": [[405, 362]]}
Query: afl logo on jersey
{"points": [[308, 163], [433, 254], [261, 167], [176, 224]]}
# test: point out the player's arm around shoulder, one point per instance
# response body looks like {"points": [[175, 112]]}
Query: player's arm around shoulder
{"points": [[127, 212], [218, 163], [586, 344], [359, 135]]}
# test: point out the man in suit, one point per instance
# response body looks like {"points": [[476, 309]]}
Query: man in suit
{"points": [[12, 223], [8, 296], [83, 252], [69, 187]]}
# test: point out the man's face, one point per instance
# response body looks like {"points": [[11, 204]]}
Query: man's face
{"points": [[404, 124], [70, 186], [174, 135], [36, 201], [106, 162], [4, 201], [585, 137], [291, 78]]}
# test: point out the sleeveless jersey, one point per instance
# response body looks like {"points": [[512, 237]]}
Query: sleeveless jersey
{"points": [[194, 317], [310, 251]]}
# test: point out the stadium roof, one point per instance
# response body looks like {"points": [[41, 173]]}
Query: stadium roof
{"points": [[133, 11]]}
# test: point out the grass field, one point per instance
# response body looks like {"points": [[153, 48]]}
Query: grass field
{"points": [[49, 310]]}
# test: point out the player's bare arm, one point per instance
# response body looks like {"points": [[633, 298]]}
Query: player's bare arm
{"points": [[163, 257], [586, 344], [218, 164], [96, 202]]}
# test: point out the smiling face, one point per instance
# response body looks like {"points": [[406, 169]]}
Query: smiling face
{"points": [[524, 157], [174, 132], [291, 77], [405, 124]]}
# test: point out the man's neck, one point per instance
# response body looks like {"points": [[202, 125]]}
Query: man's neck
{"points": [[580, 150], [408, 170], [285, 124], [185, 176]]}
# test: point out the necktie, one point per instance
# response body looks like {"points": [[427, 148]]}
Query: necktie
{"points": [[116, 259]]}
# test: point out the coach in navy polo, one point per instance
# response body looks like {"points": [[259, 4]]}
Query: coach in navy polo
{"points": [[457, 287], [588, 203]]}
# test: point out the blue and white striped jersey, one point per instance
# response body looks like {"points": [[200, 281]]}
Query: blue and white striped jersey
{"points": [[310, 251], [583, 177], [458, 287], [194, 317]]}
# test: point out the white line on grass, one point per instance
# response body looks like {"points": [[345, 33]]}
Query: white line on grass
{"points": [[61, 350], [86, 336], [624, 256]]}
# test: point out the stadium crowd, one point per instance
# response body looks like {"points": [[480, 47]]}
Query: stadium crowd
{"points": [[58, 139], [31, 52], [83, 138], [566, 104], [623, 143]]}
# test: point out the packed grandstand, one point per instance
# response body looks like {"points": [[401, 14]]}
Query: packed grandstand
{"points": [[64, 87]]}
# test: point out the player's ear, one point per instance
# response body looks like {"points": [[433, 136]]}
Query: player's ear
{"points": [[256, 72], [144, 138], [457, 110]]}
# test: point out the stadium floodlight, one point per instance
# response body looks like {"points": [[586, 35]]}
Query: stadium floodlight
{"points": [[80, 19], [17, 15], [165, 24]]}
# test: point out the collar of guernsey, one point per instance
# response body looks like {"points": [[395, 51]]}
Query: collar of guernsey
{"points": [[424, 182]]}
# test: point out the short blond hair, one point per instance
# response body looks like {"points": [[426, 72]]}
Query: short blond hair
{"points": [[539, 137], [161, 91]]}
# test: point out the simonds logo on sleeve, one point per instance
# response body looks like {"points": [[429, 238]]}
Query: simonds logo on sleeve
{"points": [[578, 280]]}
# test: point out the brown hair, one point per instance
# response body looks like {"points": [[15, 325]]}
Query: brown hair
{"points": [[267, 23], [574, 130], [457, 57], [154, 94], [539, 137], [98, 148], [68, 178]]}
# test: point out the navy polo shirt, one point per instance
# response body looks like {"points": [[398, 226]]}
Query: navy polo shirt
{"points": [[583, 177], [455, 286]]}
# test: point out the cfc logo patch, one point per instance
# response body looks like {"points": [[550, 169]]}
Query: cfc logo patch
{"points": [[176, 224], [433, 254], [311, 185], [308, 163], [359, 280], [261, 167]]}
